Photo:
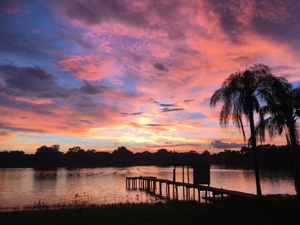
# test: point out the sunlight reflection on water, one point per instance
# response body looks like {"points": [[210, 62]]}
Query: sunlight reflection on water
{"points": [[107, 185]]}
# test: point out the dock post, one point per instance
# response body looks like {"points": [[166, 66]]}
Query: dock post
{"points": [[173, 186], [174, 176], [153, 186], [188, 193], [148, 185], [166, 190], [188, 175], [183, 194], [194, 194], [142, 184], [160, 192]]}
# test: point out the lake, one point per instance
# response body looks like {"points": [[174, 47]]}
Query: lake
{"points": [[27, 186]]}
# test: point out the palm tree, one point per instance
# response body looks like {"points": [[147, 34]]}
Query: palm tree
{"points": [[284, 110], [241, 94]]}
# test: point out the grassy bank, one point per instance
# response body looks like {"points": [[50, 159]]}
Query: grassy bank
{"points": [[270, 211]]}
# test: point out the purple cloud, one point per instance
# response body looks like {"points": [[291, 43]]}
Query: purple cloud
{"points": [[164, 110], [11, 128], [223, 145], [160, 66]]}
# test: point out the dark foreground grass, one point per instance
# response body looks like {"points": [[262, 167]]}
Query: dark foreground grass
{"points": [[270, 211]]}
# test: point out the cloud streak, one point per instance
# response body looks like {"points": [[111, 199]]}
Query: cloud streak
{"points": [[223, 145], [174, 145]]}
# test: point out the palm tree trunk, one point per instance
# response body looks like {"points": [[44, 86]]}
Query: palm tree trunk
{"points": [[295, 153], [255, 155]]}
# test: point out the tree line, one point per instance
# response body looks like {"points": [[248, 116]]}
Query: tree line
{"points": [[272, 157]]}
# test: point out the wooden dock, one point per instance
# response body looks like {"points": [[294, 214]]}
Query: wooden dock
{"points": [[165, 188]]}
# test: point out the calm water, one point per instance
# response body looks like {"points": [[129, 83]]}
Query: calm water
{"points": [[107, 185]]}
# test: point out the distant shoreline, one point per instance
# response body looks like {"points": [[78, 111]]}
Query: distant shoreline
{"points": [[270, 157]]}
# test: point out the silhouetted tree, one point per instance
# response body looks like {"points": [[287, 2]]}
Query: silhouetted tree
{"points": [[241, 94], [123, 157], [48, 156], [246, 150], [206, 153], [122, 152], [75, 149], [144, 158], [162, 151], [284, 110], [163, 157], [74, 156]]}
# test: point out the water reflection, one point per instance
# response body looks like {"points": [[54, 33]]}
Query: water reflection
{"points": [[16, 183], [47, 175], [107, 185]]}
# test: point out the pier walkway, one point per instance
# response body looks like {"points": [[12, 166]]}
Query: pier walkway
{"points": [[166, 188]]}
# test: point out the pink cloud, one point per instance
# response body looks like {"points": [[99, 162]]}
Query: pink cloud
{"points": [[175, 145], [89, 67], [116, 81]]}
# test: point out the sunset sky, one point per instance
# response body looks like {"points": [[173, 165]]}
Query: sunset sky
{"points": [[103, 74]]}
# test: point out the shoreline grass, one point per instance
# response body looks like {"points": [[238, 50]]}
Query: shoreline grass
{"points": [[273, 210]]}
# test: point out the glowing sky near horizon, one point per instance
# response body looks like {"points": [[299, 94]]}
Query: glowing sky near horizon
{"points": [[103, 74]]}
